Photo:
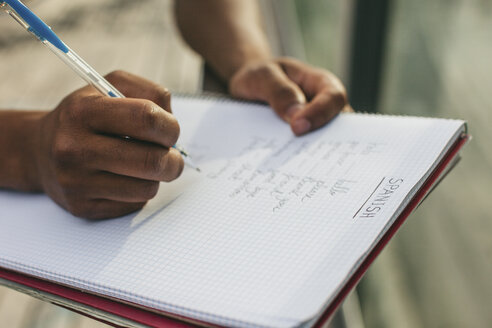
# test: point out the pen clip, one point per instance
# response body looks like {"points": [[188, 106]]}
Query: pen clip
{"points": [[33, 23]]}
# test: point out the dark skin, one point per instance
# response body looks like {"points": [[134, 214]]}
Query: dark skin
{"points": [[77, 153], [236, 47]]}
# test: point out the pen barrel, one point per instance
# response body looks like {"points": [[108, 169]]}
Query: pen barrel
{"points": [[92, 77], [34, 25], [85, 71]]}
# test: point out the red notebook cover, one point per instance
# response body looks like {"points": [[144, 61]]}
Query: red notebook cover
{"points": [[140, 315]]}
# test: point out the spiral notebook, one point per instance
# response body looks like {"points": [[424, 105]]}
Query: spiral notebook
{"points": [[271, 233]]}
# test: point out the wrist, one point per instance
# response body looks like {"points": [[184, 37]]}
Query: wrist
{"points": [[244, 59], [254, 66], [20, 131]]}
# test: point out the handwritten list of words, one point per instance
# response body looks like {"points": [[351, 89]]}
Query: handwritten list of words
{"points": [[294, 171]]}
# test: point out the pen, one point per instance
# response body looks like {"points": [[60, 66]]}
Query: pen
{"points": [[33, 24]]}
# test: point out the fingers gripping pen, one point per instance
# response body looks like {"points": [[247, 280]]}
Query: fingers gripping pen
{"points": [[32, 23]]}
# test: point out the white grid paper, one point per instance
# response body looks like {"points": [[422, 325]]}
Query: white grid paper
{"points": [[199, 252]]}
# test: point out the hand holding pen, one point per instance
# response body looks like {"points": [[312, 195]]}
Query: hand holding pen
{"points": [[84, 164], [33, 24], [79, 156]]}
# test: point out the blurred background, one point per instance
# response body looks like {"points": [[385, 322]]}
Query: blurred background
{"points": [[430, 58], [420, 57]]}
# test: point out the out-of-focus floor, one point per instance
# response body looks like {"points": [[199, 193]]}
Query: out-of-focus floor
{"points": [[137, 36]]}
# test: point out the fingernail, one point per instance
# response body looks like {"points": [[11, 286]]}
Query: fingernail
{"points": [[301, 126], [291, 111]]}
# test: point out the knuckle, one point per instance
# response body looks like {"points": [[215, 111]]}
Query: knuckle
{"points": [[152, 118], [285, 62], [64, 151], [76, 108], [176, 166], [163, 96], [149, 117], [149, 190], [77, 210], [339, 98], [173, 130], [337, 88], [285, 92], [155, 162], [72, 109], [284, 59], [79, 207], [263, 70], [324, 78], [117, 74]]}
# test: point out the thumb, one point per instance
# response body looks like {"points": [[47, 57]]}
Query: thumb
{"points": [[269, 83], [283, 95]]}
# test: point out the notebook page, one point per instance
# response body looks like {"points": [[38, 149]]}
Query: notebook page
{"points": [[264, 236]]}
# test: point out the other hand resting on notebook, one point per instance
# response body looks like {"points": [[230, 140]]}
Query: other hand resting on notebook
{"points": [[78, 155], [228, 34], [304, 96]]}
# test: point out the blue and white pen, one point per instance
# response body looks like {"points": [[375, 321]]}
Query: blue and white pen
{"points": [[32, 23]]}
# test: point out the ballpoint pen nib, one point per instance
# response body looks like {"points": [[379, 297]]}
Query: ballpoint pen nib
{"points": [[195, 167], [186, 157], [189, 162]]}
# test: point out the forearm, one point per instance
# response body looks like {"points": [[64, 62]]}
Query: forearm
{"points": [[227, 33], [17, 146]]}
